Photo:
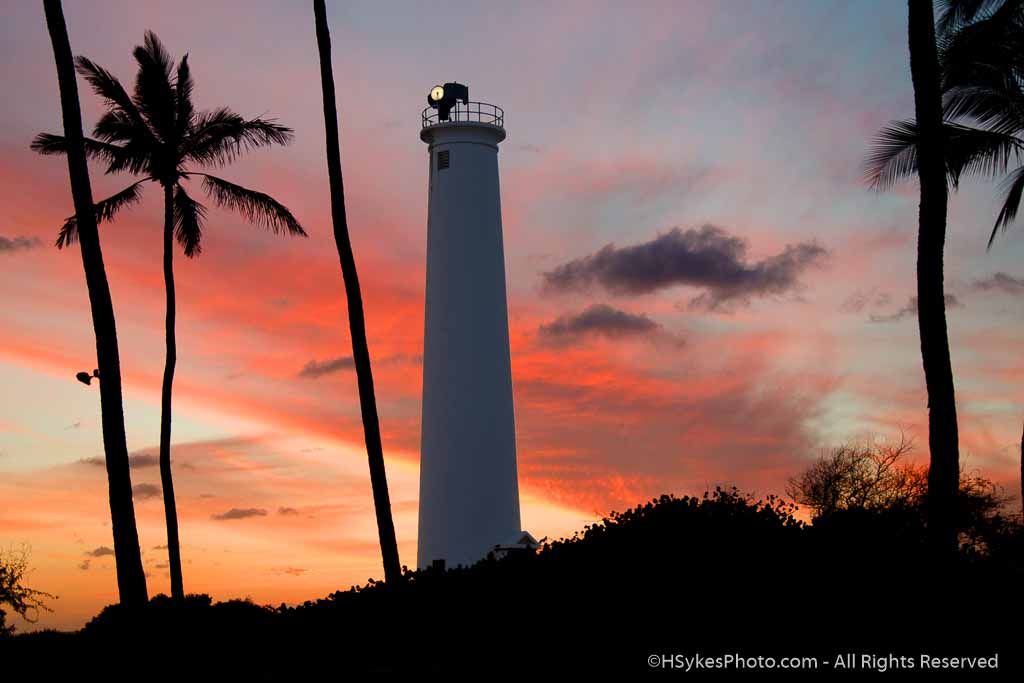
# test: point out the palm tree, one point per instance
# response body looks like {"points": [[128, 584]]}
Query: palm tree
{"points": [[157, 135], [928, 158], [982, 59], [357, 325], [978, 131], [131, 578]]}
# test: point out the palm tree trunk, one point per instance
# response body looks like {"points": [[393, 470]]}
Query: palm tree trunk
{"points": [[943, 475], [170, 509], [357, 326], [131, 578]]}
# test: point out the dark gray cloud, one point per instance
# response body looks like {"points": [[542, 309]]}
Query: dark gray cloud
{"points": [[318, 368], [241, 513], [910, 310], [12, 244], [100, 551], [600, 320], [708, 258], [137, 460], [287, 511], [143, 491], [85, 565], [1000, 282]]}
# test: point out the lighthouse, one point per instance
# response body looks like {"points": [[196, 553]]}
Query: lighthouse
{"points": [[469, 490]]}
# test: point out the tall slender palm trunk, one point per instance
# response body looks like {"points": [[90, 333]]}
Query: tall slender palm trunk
{"points": [[357, 325], [943, 475], [131, 578], [170, 509]]}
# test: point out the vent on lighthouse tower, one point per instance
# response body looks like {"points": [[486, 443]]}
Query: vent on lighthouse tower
{"points": [[443, 159]]}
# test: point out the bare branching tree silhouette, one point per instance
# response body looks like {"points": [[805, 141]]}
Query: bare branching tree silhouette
{"points": [[20, 598], [131, 578], [157, 134], [357, 324]]}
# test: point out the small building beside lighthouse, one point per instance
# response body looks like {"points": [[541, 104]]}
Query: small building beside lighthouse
{"points": [[469, 489]]}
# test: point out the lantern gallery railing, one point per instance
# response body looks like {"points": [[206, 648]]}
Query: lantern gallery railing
{"points": [[477, 112]]}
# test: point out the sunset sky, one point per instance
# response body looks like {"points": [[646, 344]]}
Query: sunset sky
{"points": [[701, 288]]}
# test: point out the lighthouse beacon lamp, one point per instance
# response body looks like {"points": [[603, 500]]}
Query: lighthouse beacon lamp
{"points": [[443, 98]]}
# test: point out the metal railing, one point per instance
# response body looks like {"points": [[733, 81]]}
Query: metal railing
{"points": [[477, 112]]}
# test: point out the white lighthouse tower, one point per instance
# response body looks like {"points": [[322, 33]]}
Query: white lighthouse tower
{"points": [[469, 491]]}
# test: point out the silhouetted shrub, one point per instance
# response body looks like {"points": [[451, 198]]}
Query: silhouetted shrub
{"points": [[715, 573]]}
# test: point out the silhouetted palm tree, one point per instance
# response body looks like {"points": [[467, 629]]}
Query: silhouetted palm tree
{"points": [[157, 134], [131, 578], [357, 325], [928, 157], [982, 61], [981, 58]]}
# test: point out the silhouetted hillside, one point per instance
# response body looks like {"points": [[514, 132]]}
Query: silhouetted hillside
{"points": [[718, 574]]}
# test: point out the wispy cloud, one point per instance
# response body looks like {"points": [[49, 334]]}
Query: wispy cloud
{"points": [[144, 491], [10, 245], [910, 310], [100, 551], [860, 300], [241, 513], [318, 368], [999, 282], [137, 460]]}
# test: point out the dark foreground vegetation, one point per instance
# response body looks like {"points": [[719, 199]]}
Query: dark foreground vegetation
{"points": [[715, 574]]}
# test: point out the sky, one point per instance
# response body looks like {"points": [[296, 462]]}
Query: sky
{"points": [[702, 290]]}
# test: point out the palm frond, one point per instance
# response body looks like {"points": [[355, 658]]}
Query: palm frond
{"points": [[183, 94], [1014, 185], [118, 158], [893, 155], [256, 207], [189, 216], [220, 136], [110, 89], [977, 151], [971, 151], [998, 109], [104, 210], [955, 14], [106, 85], [154, 94]]}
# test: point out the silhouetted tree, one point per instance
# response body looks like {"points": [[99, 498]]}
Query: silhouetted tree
{"points": [[356, 322], [157, 134], [928, 158], [943, 438], [131, 578], [877, 478], [982, 61], [22, 600], [869, 476]]}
